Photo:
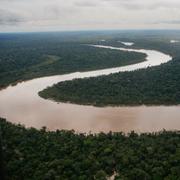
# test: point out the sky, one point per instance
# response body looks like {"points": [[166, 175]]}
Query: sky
{"points": [[69, 15]]}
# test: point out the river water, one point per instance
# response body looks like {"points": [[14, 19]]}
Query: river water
{"points": [[21, 104]]}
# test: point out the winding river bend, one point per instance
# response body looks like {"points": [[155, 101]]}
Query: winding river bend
{"points": [[21, 104]]}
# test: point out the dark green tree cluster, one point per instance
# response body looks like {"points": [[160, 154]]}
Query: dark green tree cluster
{"points": [[41, 154]]}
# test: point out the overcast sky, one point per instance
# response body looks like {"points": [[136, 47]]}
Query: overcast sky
{"points": [[50, 15]]}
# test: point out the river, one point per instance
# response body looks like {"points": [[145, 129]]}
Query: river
{"points": [[21, 104]]}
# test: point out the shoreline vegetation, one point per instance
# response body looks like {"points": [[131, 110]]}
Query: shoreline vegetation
{"points": [[151, 86], [27, 57], [28, 153]]}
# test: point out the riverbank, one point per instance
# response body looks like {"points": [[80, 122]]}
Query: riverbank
{"points": [[157, 86], [126, 88], [20, 64]]}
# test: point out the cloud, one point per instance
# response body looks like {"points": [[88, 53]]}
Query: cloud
{"points": [[9, 18], [170, 22], [94, 14], [86, 3], [143, 4]]}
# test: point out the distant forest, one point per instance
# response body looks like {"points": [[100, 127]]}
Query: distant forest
{"points": [[155, 85], [39, 154], [27, 56]]}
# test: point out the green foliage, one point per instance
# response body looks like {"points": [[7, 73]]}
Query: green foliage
{"points": [[40, 154], [27, 56], [155, 85], [160, 85]]}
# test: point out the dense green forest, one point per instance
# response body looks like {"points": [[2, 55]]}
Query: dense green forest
{"points": [[160, 85], [155, 85], [40, 154], [27, 56]]}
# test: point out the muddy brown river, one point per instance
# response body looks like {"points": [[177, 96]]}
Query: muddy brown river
{"points": [[21, 104]]}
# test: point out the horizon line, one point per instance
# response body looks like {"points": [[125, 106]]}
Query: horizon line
{"points": [[90, 30]]}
